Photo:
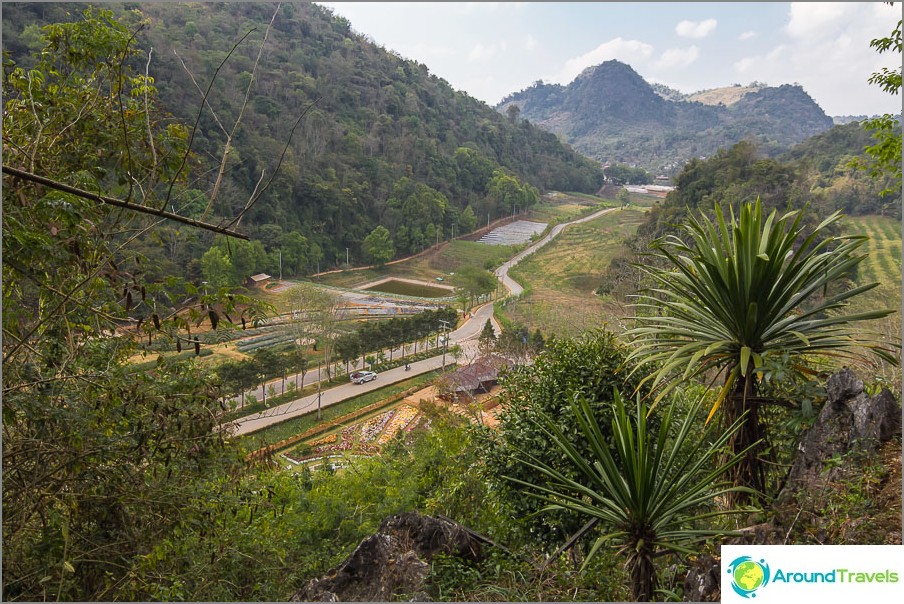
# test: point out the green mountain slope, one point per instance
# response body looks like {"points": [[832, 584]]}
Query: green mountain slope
{"points": [[383, 141], [610, 113]]}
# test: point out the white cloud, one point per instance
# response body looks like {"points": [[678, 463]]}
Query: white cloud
{"points": [[530, 42], [628, 51], [481, 52], [676, 58], [747, 35], [745, 64], [695, 29], [817, 18]]}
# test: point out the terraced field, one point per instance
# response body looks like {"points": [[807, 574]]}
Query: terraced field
{"points": [[884, 262]]}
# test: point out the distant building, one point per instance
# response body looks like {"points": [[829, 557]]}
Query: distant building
{"points": [[479, 376], [259, 280]]}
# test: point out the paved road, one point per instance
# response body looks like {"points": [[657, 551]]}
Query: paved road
{"points": [[466, 336]]}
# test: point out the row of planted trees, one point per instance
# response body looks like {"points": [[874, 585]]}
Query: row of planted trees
{"points": [[396, 332], [237, 377]]}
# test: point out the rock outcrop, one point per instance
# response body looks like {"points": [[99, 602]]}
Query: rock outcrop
{"points": [[851, 426], [393, 562]]}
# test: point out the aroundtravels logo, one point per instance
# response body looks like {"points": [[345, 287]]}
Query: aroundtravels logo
{"points": [[748, 575], [811, 573]]}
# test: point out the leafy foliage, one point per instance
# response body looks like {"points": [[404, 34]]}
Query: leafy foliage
{"points": [[740, 293], [886, 153], [648, 487], [100, 460], [593, 367]]}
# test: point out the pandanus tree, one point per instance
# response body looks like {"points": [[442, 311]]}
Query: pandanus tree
{"points": [[651, 491], [732, 295]]}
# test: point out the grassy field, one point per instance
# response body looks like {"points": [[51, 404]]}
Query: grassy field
{"points": [[448, 258], [456, 255], [884, 262], [563, 207], [561, 278]]}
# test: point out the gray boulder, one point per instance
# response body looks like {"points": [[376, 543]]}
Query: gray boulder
{"points": [[850, 424], [392, 562]]}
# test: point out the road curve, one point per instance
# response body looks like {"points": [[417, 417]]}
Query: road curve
{"points": [[466, 336]]}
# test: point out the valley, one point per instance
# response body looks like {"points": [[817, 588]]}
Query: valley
{"points": [[288, 316]]}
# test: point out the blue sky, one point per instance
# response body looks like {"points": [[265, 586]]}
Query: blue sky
{"points": [[490, 49]]}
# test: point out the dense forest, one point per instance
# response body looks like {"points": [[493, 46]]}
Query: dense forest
{"points": [[361, 136]]}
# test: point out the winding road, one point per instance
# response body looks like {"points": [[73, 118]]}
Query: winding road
{"points": [[466, 336]]}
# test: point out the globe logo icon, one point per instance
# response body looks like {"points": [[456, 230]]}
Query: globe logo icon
{"points": [[748, 575]]}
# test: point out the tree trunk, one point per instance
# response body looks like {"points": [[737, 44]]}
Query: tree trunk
{"points": [[643, 573], [749, 471]]}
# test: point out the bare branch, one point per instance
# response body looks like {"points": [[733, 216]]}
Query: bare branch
{"points": [[147, 119], [34, 147], [254, 198], [122, 112], [119, 203], [194, 129], [204, 100], [238, 120]]}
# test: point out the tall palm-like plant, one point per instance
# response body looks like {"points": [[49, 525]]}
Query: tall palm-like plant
{"points": [[739, 292], [651, 493]]}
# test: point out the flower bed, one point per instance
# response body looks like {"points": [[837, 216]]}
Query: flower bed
{"points": [[400, 420], [372, 427]]}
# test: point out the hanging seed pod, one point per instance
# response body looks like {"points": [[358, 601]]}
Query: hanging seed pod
{"points": [[214, 318], [178, 345], [197, 347], [128, 301], [156, 320]]}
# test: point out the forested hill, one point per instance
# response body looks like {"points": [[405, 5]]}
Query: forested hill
{"points": [[383, 140], [611, 113]]}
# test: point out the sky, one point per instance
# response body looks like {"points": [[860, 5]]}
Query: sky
{"points": [[492, 49]]}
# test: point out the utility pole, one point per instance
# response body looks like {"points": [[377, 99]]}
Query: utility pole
{"points": [[280, 264], [346, 256], [319, 381], [445, 325]]}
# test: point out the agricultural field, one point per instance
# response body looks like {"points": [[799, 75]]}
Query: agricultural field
{"points": [[884, 262], [558, 207], [883, 265], [451, 257], [560, 278]]}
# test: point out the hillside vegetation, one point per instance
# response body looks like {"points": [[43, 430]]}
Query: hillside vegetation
{"points": [[382, 141], [610, 113]]}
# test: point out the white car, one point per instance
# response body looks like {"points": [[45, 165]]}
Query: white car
{"points": [[359, 377]]}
